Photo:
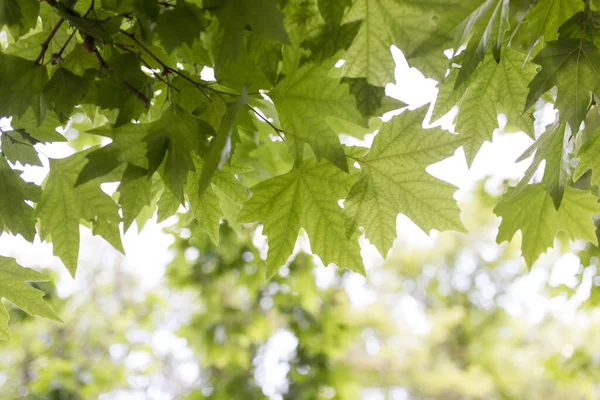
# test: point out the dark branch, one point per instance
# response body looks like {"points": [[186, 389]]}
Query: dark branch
{"points": [[277, 130], [46, 43]]}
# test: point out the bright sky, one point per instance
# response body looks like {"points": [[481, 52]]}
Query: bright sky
{"points": [[147, 252]]}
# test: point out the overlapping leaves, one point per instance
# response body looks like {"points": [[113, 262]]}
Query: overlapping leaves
{"points": [[135, 73]]}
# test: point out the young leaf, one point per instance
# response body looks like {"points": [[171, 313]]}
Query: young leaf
{"points": [[544, 19], [17, 146], [21, 84], [551, 146], [126, 147], [178, 25], [494, 88], [134, 193], [220, 146], [16, 216], [65, 90], [531, 211], [369, 55], [261, 15], [62, 206], [393, 180], [14, 289], [177, 134], [484, 25], [305, 197], [572, 66], [304, 100], [588, 158]]}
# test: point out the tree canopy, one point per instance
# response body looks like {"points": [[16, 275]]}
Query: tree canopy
{"points": [[266, 140]]}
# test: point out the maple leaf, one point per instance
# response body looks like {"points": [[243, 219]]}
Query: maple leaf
{"points": [[371, 100], [304, 100], [588, 158], [178, 25], [544, 19], [126, 147], [205, 204], [393, 180], [134, 193], [369, 55], [65, 90], [62, 205], [16, 215], [532, 212], [21, 84], [487, 23], [572, 66], [425, 28], [305, 197], [176, 135], [18, 146], [261, 15], [494, 88], [20, 16], [220, 146], [14, 289], [550, 146]]}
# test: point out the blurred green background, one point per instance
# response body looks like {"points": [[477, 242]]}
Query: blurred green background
{"points": [[447, 317]]}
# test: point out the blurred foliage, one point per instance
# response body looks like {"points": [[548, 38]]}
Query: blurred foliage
{"points": [[453, 316]]}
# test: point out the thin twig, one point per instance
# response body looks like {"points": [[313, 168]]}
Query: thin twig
{"points": [[57, 56], [46, 42], [105, 65], [168, 70], [277, 130]]}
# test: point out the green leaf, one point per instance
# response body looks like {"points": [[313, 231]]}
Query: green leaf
{"points": [[494, 88], [179, 25], [126, 147], [62, 206], [168, 204], [304, 100], [46, 132], [125, 88], [21, 82], [134, 193], [205, 205], [588, 158], [448, 96], [425, 28], [14, 289], [19, 15], [572, 66], [18, 146], [393, 180], [533, 213], [305, 197], [369, 55], [544, 19], [552, 147], [220, 146], [241, 71], [16, 216], [176, 135], [485, 24], [261, 15], [371, 100], [65, 90]]}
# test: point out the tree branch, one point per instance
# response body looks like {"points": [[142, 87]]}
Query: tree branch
{"points": [[277, 130], [46, 42]]}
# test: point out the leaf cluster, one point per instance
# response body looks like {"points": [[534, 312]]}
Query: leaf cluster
{"points": [[262, 142]]}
